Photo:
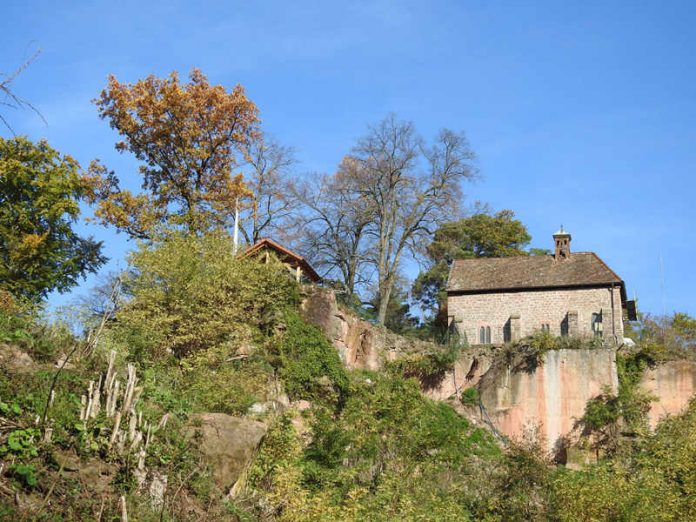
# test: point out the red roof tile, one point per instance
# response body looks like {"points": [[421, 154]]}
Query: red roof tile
{"points": [[526, 272]]}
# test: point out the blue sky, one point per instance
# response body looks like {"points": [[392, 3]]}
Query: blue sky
{"points": [[581, 113]]}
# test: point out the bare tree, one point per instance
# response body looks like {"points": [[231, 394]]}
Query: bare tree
{"points": [[10, 98], [272, 199], [334, 226], [410, 188]]}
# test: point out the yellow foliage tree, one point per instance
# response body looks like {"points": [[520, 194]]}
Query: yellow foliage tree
{"points": [[189, 138]]}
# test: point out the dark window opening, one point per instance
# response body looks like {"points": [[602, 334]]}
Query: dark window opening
{"points": [[507, 332], [564, 327], [485, 335], [597, 326]]}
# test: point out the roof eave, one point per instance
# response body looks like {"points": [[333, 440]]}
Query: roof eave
{"points": [[469, 291]]}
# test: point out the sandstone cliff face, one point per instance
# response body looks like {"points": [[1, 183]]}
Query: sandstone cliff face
{"points": [[471, 366], [359, 343], [548, 399], [673, 384]]}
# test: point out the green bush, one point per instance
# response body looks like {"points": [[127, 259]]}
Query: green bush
{"points": [[389, 454], [654, 480], [215, 382], [191, 293], [21, 325], [470, 397], [429, 367], [21, 443], [25, 474], [521, 489], [601, 412], [307, 362]]}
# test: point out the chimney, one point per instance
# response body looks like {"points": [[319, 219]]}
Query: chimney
{"points": [[562, 241]]}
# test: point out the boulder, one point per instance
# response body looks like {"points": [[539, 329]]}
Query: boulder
{"points": [[228, 444], [15, 360]]}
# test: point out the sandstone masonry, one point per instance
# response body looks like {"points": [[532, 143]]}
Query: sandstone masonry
{"points": [[515, 314], [498, 300]]}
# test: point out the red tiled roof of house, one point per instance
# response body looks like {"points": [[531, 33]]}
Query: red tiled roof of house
{"points": [[527, 272]]}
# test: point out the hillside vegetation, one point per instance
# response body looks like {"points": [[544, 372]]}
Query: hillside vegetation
{"points": [[190, 387], [207, 333]]}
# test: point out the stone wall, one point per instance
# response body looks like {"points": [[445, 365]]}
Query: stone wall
{"points": [[534, 309]]}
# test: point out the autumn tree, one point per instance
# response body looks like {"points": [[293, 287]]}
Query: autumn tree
{"points": [[410, 187], [271, 201], [189, 138], [334, 226], [483, 234], [40, 192]]}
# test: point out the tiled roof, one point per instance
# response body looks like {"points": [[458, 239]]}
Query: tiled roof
{"points": [[285, 254], [508, 273]]}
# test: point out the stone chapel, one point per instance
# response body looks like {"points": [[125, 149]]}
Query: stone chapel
{"points": [[499, 300]]}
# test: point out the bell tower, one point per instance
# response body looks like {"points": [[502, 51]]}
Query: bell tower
{"points": [[562, 243]]}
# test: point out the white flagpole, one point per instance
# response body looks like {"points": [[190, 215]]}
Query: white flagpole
{"points": [[236, 227]]}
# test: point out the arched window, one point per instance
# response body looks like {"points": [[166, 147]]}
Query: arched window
{"points": [[564, 327], [482, 335], [488, 335]]}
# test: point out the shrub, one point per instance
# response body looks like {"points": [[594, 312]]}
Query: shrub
{"points": [[216, 382], [634, 401], [307, 362], [601, 411], [191, 293], [522, 489], [607, 413], [25, 474], [429, 367], [470, 397]]}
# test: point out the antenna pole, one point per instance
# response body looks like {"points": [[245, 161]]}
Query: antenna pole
{"points": [[662, 285]]}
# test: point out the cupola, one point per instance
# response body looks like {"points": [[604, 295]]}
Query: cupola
{"points": [[562, 242]]}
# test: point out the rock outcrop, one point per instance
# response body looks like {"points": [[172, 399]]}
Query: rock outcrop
{"points": [[359, 343], [468, 370], [228, 444], [549, 398], [15, 360], [672, 384]]}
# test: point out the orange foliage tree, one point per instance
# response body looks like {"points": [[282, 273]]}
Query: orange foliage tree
{"points": [[190, 139]]}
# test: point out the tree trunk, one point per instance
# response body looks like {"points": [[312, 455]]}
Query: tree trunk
{"points": [[384, 295]]}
